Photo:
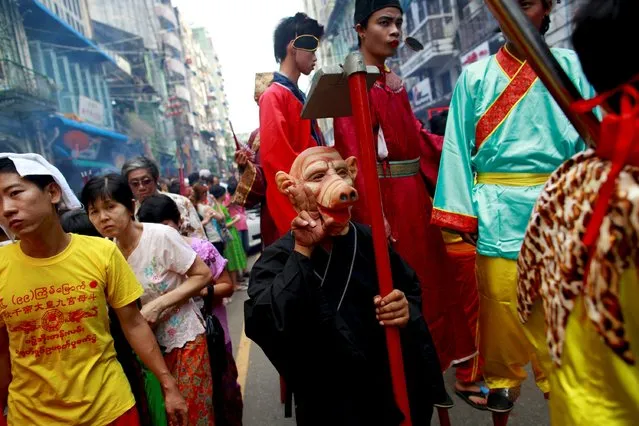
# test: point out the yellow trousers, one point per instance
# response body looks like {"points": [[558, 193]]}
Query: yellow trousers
{"points": [[506, 344], [594, 386]]}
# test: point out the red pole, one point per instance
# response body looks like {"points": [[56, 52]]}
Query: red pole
{"points": [[368, 160]]}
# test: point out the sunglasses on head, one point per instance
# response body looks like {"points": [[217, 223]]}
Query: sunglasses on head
{"points": [[307, 42]]}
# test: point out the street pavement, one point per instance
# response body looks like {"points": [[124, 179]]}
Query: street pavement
{"points": [[260, 385]]}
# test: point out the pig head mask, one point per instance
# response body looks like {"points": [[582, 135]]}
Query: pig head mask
{"points": [[328, 179]]}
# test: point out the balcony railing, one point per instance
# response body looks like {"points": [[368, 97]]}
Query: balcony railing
{"points": [[173, 40], [176, 66], [477, 27], [182, 92], [166, 12], [24, 88], [437, 34]]}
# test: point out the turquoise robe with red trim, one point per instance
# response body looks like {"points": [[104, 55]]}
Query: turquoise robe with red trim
{"points": [[523, 131]]}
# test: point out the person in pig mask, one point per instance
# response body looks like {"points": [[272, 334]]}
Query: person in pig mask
{"points": [[314, 307]]}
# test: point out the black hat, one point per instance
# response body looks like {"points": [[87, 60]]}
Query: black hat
{"points": [[365, 8]]}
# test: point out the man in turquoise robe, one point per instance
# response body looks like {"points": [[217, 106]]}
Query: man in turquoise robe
{"points": [[505, 135]]}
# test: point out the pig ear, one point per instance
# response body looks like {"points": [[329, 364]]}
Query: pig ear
{"points": [[284, 181], [351, 163]]}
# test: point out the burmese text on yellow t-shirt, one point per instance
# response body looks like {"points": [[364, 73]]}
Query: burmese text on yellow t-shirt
{"points": [[63, 362]]}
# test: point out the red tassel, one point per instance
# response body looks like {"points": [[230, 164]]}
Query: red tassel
{"points": [[616, 143]]}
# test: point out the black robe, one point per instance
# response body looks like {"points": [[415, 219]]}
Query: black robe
{"points": [[336, 361]]}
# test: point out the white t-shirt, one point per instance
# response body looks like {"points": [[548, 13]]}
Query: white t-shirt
{"points": [[160, 261]]}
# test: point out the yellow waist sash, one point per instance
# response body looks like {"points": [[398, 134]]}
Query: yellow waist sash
{"points": [[513, 179]]}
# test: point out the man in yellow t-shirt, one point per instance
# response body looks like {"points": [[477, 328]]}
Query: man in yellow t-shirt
{"points": [[58, 364]]}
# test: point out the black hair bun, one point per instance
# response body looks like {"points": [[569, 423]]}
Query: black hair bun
{"points": [[300, 16]]}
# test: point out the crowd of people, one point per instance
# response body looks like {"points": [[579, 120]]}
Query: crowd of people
{"points": [[161, 353], [510, 243]]}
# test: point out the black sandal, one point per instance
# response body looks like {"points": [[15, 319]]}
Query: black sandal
{"points": [[465, 395]]}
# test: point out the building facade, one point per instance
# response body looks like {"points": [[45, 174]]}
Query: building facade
{"points": [[91, 83], [430, 74], [74, 12], [217, 110], [79, 136], [561, 23], [26, 95], [137, 17], [134, 29]]}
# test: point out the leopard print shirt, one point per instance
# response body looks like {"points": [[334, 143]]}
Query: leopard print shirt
{"points": [[553, 262]]}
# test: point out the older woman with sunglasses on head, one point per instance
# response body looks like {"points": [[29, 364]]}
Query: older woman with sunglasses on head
{"points": [[143, 176], [171, 274]]}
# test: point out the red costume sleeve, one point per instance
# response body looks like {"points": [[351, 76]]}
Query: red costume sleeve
{"points": [[276, 154], [430, 146], [347, 145]]}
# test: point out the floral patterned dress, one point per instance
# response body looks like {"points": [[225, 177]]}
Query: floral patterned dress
{"points": [[160, 262]]}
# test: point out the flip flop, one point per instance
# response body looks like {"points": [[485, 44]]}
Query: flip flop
{"points": [[465, 395]]}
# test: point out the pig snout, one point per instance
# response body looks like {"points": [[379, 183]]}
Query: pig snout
{"points": [[338, 193], [348, 195]]}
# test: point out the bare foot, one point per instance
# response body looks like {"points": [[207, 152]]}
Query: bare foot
{"points": [[471, 387]]}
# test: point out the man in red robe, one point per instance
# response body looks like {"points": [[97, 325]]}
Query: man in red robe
{"points": [[408, 162], [283, 133]]}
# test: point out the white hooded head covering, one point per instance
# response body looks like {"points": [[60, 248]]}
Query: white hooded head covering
{"points": [[35, 164]]}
